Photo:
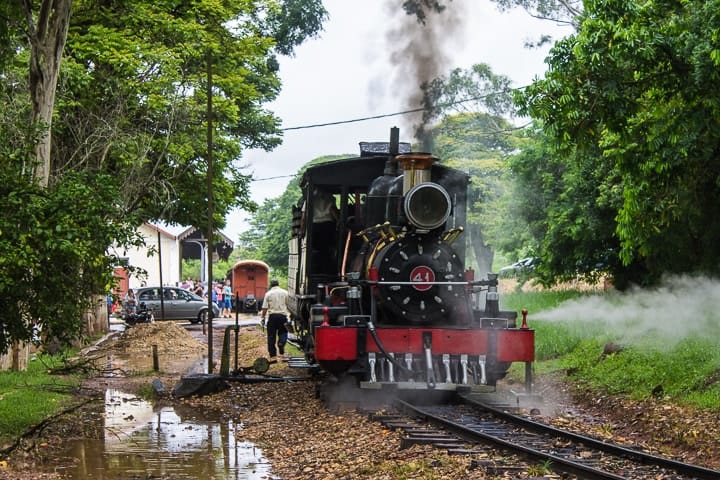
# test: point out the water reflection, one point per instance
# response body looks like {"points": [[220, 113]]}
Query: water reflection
{"points": [[143, 442]]}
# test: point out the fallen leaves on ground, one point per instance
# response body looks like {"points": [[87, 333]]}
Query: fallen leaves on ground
{"points": [[304, 440]]}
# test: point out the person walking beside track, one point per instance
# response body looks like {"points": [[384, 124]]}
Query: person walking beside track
{"points": [[275, 307], [227, 300]]}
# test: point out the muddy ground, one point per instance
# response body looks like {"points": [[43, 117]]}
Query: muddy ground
{"points": [[303, 440]]}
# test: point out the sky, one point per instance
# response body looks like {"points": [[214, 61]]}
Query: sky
{"points": [[353, 70]]}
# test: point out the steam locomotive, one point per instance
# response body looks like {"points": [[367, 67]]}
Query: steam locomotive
{"points": [[377, 282]]}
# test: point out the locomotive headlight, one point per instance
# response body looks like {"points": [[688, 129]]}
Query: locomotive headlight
{"points": [[427, 205]]}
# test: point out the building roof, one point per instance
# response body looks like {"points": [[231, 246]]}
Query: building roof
{"points": [[191, 235]]}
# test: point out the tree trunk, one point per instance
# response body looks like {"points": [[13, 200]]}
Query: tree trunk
{"points": [[96, 319], [47, 40], [484, 253], [17, 357]]}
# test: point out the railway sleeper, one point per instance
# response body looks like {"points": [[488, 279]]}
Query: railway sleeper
{"points": [[436, 441]]}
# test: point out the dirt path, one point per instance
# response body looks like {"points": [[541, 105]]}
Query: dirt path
{"points": [[303, 440]]}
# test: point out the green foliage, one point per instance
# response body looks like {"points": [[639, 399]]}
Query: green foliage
{"points": [[142, 67], [560, 12], [472, 91], [295, 21], [626, 106], [132, 98], [130, 139], [53, 245], [568, 204], [647, 370]]}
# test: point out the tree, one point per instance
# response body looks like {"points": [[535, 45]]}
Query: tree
{"points": [[130, 143], [53, 243], [631, 95], [567, 210], [46, 32], [559, 11], [135, 97]]}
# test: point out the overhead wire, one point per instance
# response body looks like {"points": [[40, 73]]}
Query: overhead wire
{"points": [[394, 114]]}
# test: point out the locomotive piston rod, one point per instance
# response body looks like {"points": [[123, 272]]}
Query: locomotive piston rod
{"points": [[430, 371]]}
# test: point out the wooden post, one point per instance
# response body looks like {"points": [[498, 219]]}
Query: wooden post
{"points": [[156, 360]]}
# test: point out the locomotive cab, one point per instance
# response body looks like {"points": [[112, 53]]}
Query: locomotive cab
{"points": [[377, 276]]}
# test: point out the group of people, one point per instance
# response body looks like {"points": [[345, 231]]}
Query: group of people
{"points": [[194, 286], [274, 313], [221, 294], [222, 297]]}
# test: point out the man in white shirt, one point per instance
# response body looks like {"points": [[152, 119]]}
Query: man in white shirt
{"points": [[276, 309]]}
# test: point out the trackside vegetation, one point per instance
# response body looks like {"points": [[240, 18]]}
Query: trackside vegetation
{"points": [[29, 397], [619, 359]]}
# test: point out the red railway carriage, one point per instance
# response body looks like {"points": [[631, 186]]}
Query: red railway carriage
{"points": [[377, 279], [249, 280]]}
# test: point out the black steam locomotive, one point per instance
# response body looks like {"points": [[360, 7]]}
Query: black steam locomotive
{"points": [[377, 281]]}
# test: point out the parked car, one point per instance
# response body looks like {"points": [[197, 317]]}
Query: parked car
{"points": [[523, 265], [179, 304]]}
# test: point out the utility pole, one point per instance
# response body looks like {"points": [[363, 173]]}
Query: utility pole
{"points": [[210, 233]]}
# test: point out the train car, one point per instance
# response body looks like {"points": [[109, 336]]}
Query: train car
{"points": [[249, 280], [377, 279]]}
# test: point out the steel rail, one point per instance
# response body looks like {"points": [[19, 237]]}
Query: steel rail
{"points": [[559, 463], [646, 458]]}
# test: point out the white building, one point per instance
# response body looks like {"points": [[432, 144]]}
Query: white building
{"points": [[159, 261]]}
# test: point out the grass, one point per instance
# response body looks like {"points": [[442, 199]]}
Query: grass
{"points": [[646, 359], [26, 398]]}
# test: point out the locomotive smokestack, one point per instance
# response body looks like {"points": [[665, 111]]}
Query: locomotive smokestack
{"points": [[394, 141], [393, 149]]}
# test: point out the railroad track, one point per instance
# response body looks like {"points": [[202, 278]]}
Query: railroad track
{"points": [[454, 427]]}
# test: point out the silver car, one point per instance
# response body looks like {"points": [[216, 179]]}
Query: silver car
{"points": [[178, 304]]}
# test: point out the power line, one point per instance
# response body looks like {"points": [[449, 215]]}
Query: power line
{"points": [[272, 178], [355, 120], [395, 114], [386, 115]]}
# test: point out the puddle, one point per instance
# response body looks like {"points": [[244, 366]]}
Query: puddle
{"points": [[141, 441]]}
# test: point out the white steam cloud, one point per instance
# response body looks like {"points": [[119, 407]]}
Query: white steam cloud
{"points": [[680, 308]]}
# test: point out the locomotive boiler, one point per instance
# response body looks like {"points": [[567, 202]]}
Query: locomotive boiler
{"points": [[377, 279]]}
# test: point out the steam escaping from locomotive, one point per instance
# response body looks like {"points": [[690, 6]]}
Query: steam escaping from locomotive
{"points": [[377, 277], [681, 307]]}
